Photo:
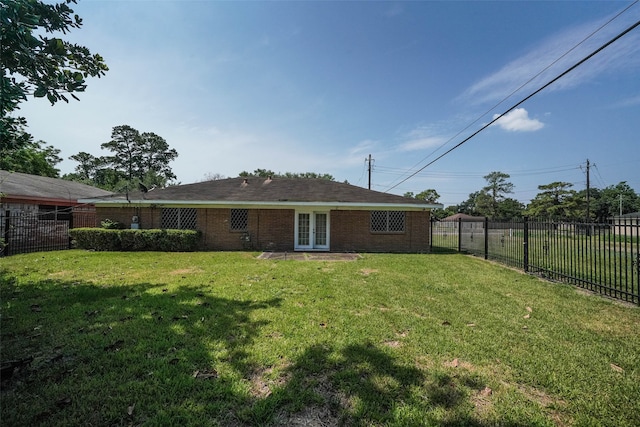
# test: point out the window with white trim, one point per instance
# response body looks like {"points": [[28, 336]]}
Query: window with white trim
{"points": [[179, 218], [387, 221], [239, 220]]}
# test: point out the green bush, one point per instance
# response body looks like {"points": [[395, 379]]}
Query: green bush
{"points": [[101, 239]]}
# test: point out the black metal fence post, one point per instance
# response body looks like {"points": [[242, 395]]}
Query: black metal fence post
{"points": [[7, 225], [69, 227], [486, 237], [459, 234], [525, 245], [431, 224]]}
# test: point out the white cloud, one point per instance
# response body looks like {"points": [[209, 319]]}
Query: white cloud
{"points": [[423, 137], [518, 120], [421, 143], [627, 102], [555, 55], [363, 148]]}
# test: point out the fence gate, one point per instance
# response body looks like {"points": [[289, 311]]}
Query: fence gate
{"points": [[28, 232]]}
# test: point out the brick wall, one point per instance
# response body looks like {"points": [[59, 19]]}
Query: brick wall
{"points": [[268, 229], [273, 229], [350, 231]]}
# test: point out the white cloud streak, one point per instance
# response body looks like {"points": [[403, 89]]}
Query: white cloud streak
{"points": [[621, 56]]}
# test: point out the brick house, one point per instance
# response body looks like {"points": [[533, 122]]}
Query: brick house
{"points": [[51, 198], [36, 212], [280, 214]]}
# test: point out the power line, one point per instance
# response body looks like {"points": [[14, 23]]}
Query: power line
{"points": [[525, 83], [525, 172], [561, 75]]}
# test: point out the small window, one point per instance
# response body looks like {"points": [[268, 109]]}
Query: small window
{"points": [[179, 218], [239, 220], [48, 212], [387, 221]]}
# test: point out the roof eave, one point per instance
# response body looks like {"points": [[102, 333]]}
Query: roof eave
{"points": [[264, 204]]}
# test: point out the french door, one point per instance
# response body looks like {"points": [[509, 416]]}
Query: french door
{"points": [[312, 231]]}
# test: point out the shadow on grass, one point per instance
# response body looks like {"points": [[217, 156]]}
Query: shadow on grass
{"points": [[81, 354]]}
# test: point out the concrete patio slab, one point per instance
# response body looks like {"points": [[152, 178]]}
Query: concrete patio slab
{"points": [[310, 256]]}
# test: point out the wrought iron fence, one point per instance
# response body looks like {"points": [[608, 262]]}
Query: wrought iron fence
{"points": [[604, 258], [22, 232]]}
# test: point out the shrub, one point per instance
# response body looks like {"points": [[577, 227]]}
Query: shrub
{"points": [[100, 239]]}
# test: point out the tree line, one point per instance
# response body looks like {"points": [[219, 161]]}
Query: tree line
{"points": [[556, 200]]}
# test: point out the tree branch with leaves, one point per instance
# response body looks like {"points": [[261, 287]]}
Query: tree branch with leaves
{"points": [[38, 63]]}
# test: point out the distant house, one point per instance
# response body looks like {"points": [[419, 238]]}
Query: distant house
{"points": [[280, 214], [627, 224], [468, 222], [51, 198], [36, 211]]}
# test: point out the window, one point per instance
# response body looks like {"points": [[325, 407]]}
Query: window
{"points": [[387, 221], [49, 212], [179, 218], [239, 220]]}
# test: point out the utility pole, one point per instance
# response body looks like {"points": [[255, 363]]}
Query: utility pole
{"points": [[620, 204], [588, 192], [369, 169]]}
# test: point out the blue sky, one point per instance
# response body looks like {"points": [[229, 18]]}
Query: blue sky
{"points": [[318, 86]]}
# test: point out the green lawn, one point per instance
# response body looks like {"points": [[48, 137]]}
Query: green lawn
{"points": [[202, 339]]}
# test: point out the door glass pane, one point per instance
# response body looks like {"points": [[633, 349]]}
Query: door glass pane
{"points": [[321, 230], [303, 229]]}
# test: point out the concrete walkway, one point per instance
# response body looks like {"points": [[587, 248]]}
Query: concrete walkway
{"points": [[310, 256]]}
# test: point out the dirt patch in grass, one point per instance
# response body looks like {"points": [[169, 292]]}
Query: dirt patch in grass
{"points": [[190, 270], [368, 271], [262, 381], [311, 416], [457, 363], [540, 397], [481, 401], [325, 414]]}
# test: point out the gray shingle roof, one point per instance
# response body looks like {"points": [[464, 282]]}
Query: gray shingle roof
{"points": [[277, 190], [15, 184]]}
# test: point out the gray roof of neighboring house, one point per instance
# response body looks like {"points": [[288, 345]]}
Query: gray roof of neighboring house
{"points": [[276, 191], [22, 185], [629, 215], [463, 217]]}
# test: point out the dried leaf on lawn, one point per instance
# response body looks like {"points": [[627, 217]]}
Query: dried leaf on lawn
{"points": [[616, 368], [206, 374], [486, 392]]}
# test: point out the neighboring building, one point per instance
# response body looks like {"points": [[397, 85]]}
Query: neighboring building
{"points": [[468, 222], [50, 198], [280, 214], [36, 212], [627, 224]]}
